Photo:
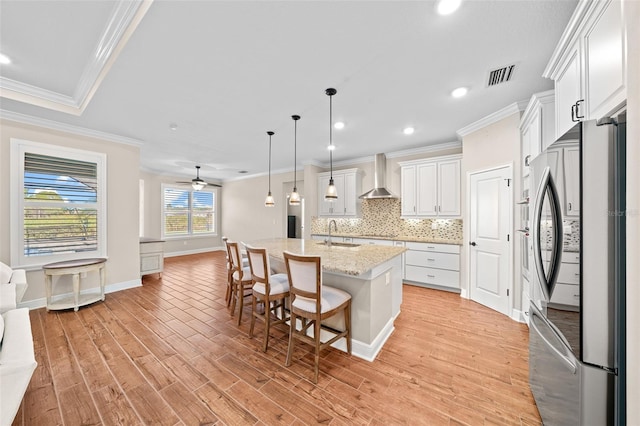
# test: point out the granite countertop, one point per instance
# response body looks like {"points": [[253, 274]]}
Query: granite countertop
{"points": [[344, 260], [397, 238]]}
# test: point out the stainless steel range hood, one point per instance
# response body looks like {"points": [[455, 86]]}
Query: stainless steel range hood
{"points": [[379, 176]]}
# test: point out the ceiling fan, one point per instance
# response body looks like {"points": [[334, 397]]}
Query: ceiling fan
{"points": [[198, 183]]}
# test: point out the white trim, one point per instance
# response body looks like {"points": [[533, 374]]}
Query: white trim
{"points": [[505, 112], [69, 128], [425, 149], [518, 315], [110, 288], [367, 351], [122, 22], [536, 101], [18, 148], [510, 285], [430, 160], [569, 36]]}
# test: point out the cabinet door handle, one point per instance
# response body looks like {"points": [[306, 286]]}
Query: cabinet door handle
{"points": [[526, 160], [414, 209], [579, 117], [431, 260], [573, 112], [569, 206], [431, 276], [435, 208]]}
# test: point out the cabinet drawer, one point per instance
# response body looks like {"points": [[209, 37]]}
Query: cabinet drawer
{"points": [[151, 263], [441, 277], [566, 294], [570, 257], [569, 273], [151, 247], [433, 259], [443, 248]]}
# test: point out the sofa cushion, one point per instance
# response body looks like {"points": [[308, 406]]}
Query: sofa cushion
{"points": [[5, 273]]}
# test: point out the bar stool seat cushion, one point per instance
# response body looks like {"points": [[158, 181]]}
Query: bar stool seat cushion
{"points": [[331, 299], [246, 274], [279, 283]]}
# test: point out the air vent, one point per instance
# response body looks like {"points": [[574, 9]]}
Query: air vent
{"points": [[501, 75]]}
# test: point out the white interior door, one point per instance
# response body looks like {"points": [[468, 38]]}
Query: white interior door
{"points": [[489, 239]]}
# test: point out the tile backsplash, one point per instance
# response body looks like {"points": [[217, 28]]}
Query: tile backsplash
{"points": [[381, 217]]}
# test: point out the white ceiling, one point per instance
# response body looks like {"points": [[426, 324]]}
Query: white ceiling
{"points": [[227, 71]]}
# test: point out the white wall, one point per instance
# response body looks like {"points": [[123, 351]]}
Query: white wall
{"points": [[122, 203], [497, 144]]}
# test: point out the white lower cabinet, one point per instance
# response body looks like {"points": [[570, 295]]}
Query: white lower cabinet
{"points": [[431, 264], [567, 288], [151, 256]]}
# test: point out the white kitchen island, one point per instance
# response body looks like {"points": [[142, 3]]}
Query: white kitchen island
{"points": [[371, 274]]}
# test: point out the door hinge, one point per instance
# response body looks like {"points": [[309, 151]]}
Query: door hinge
{"points": [[508, 182], [507, 292]]}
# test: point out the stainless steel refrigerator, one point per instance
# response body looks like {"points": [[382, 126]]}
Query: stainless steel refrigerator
{"points": [[577, 323]]}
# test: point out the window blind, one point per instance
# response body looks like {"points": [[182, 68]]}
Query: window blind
{"points": [[60, 205]]}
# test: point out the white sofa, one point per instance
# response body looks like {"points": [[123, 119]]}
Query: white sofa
{"points": [[13, 284], [17, 361]]}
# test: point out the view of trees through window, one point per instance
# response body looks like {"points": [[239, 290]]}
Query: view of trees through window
{"points": [[60, 206], [188, 212]]}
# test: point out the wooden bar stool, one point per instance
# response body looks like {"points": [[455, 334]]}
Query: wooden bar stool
{"points": [[312, 302], [241, 281], [245, 263], [269, 290]]}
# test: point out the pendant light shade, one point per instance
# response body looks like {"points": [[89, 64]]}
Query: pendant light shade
{"points": [[294, 198], [269, 202], [332, 193]]}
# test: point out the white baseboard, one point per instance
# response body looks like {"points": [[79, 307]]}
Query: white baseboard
{"points": [[110, 288], [518, 315], [194, 251], [464, 293], [367, 351]]}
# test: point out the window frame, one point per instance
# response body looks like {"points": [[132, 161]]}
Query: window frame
{"points": [[18, 148], [190, 233]]}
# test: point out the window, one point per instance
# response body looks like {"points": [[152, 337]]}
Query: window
{"points": [[187, 212], [59, 208]]}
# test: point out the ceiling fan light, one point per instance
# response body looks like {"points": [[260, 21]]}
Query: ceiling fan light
{"points": [[332, 192], [198, 185], [269, 201]]}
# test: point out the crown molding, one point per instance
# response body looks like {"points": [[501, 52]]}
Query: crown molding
{"points": [[425, 149], [505, 112], [123, 21], [63, 127], [570, 34]]}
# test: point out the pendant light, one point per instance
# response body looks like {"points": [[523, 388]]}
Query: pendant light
{"points": [[269, 202], [332, 193], [294, 198]]}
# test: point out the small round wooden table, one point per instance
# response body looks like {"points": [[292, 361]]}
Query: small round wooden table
{"points": [[74, 268]]}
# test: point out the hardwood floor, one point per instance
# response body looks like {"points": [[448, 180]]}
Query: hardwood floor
{"points": [[169, 353]]}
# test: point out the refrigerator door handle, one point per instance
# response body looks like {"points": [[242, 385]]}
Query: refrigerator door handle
{"points": [[536, 316], [547, 186]]}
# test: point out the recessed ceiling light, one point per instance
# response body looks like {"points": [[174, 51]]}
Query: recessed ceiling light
{"points": [[408, 130], [447, 7], [4, 59], [173, 126], [339, 125], [459, 92], [331, 147]]}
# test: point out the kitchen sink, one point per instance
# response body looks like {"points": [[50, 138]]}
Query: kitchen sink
{"points": [[338, 244]]}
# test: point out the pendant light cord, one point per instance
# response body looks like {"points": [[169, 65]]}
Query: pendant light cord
{"points": [[270, 133], [331, 135]]}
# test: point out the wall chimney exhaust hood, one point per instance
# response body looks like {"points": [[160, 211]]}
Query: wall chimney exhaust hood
{"points": [[379, 176]]}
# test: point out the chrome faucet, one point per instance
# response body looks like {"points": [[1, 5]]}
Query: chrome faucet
{"points": [[335, 226]]}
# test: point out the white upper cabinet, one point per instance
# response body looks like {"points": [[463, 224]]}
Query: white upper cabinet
{"points": [[605, 59], [537, 127], [348, 184], [589, 64], [430, 188]]}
